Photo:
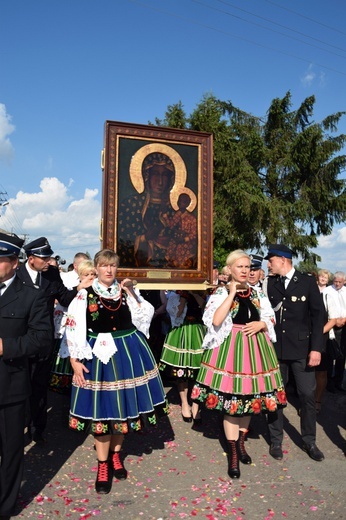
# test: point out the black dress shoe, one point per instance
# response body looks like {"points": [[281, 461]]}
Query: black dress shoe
{"points": [[38, 438], [331, 387], [313, 452], [27, 440], [186, 419], [275, 451]]}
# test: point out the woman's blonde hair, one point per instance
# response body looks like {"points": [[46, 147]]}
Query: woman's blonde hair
{"points": [[107, 257], [235, 255], [85, 266], [225, 270], [324, 272]]}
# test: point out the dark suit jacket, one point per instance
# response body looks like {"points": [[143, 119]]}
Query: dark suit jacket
{"points": [[25, 329], [51, 285], [299, 319]]}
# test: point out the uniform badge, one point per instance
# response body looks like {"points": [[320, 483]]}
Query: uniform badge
{"points": [[303, 298], [294, 298]]}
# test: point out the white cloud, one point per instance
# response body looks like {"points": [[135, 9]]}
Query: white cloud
{"points": [[308, 77], [322, 79], [342, 235], [70, 225], [325, 242], [331, 249], [52, 196], [6, 129]]}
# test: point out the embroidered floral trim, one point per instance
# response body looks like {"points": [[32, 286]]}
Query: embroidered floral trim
{"points": [[60, 381], [179, 373], [253, 299], [239, 405], [135, 425], [76, 424], [99, 428], [93, 306], [104, 427], [70, 322]]}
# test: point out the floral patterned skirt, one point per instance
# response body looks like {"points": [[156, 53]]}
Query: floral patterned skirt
{"points": [[182, 352], [126, 394], [61, 373], [241, 376]]}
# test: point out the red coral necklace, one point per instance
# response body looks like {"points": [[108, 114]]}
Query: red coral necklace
{"points": [[110, 308], [243, 294]]}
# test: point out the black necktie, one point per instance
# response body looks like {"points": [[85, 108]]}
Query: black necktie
{"points": [[283, 280], [2, 285], [38, 279]]}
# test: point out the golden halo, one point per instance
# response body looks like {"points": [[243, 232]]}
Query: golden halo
{"points": [[174, 196], [137, 161]]}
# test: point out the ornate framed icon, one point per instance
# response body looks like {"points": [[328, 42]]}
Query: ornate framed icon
{"points": [[157, 203]]}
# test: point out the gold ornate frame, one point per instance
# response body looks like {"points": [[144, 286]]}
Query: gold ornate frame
{"points": [[126, 146]]}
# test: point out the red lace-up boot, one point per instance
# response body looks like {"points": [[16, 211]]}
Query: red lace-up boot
{"points": [[119, 471], [104, 478]]}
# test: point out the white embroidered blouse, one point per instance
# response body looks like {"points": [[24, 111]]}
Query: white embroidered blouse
{"points": [[74, 342], [216, 335]]}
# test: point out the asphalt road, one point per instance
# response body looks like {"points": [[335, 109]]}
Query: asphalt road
{"points": [[177, 472]]}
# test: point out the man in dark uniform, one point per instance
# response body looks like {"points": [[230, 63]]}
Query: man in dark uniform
{"points": [[299, 315], [38, 272], [255, 271], [25, 330]]}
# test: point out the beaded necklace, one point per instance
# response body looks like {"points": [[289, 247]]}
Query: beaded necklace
{"points": [[110, 308], [243, 294]]}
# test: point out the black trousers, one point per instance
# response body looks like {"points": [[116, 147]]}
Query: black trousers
{"points": [[11, 454], [306, 384], [338, 366], [36, 413]]}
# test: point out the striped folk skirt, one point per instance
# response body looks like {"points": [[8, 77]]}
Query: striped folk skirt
{"points": [[182, 352], [241, 376], [124, 395]]}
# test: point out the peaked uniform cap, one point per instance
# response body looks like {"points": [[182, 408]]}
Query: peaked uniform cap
{"points": [[279, 250], [10, 245], [39, 247], [256, 262]]}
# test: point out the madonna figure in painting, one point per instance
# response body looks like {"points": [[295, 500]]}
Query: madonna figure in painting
{"points": [[143, 237]]}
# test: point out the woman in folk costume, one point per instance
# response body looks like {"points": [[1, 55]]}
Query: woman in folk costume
{"points": [[182, 350], [239, 374], [116, 386], [61, 374]]}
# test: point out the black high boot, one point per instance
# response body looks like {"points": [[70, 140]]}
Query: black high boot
{"points": [[243, 455], [104, 477], [233, 460]]}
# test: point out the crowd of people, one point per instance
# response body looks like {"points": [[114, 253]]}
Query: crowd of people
{"points": [[231, 349]]}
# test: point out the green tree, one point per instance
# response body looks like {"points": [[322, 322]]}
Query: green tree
{"points": [[276, 179]]}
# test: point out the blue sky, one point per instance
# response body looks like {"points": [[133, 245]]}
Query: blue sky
{"points": [[67, 66]]}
